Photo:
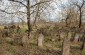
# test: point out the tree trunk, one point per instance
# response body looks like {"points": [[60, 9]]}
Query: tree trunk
{"points": [[37, 15], [28, 17], [80, 20], [67, 21]]}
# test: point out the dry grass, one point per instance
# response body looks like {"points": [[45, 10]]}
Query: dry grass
{"points": [[13, 45]]}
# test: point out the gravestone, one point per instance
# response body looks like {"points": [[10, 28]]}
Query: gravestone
{"points": [[69, 35], [76, 38], [25, 39], [81, 37], [66, 44], [73, 37], [5, 33], [53, 38], [40, 40], [8, 39], [6, 53], [63, 35]]}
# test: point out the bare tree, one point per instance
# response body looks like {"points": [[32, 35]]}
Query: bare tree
{"points": [[80, 12], [28, 7]]}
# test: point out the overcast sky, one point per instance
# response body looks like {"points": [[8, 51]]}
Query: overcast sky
{"points": [[5, 3]]}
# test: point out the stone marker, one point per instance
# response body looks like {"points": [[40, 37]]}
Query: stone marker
{"points": [[40, 40], [63, 35], [70, 34], [76, 38], [66, 44], [25, 39]]}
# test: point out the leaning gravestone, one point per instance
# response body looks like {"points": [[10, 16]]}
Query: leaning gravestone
{"points": [[66, 44], [40, 40]]}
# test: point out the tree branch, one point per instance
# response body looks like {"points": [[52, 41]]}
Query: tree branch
{"points": [[11, 12], [38, 3], [19, 2], [24, 5], [5, 11]]}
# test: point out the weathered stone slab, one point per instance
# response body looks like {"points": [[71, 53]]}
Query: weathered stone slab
{"points": [[66, 44], [40, 40], [63, 35], [25, 39], [76, 38]]}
